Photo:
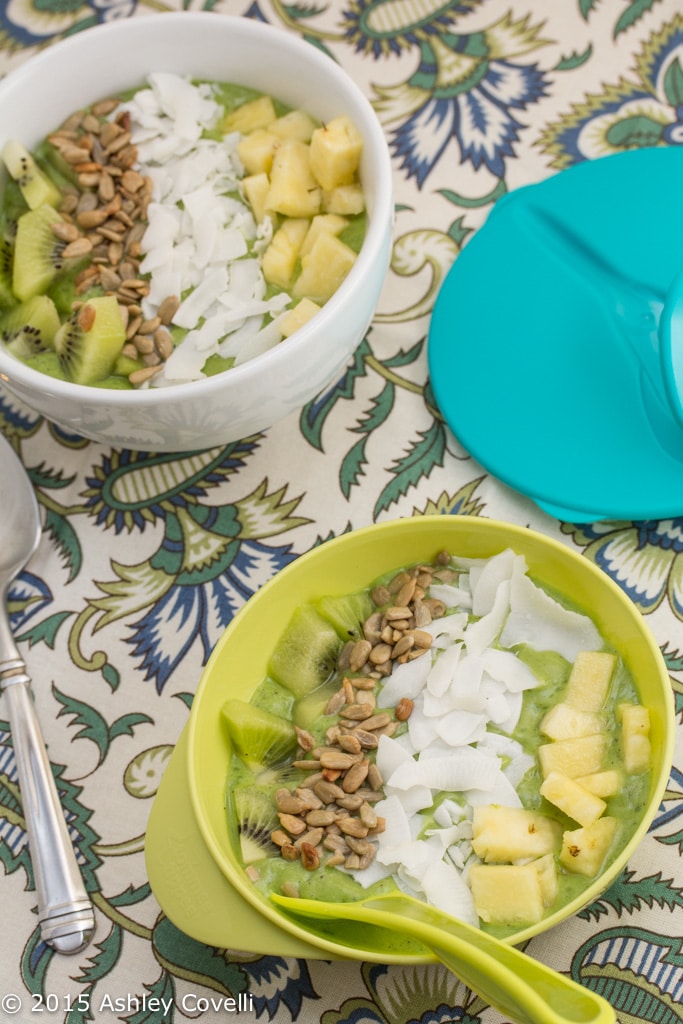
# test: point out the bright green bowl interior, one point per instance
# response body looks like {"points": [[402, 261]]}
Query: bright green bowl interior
{"points": [[348, 563]]}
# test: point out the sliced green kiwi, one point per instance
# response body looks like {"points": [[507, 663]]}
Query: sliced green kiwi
{"points": [[37, 252], [89, 342], [309, 710], [256, 817], [261, 739], [59, 169], [13, 206], [29, 328], [47, 362], [7, 296], [305, 656], [125, 365], [347, 614], [35, 185]]}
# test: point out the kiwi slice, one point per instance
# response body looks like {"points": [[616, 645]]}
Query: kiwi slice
{"points": [[47, 362], [29, 328], [305, 656], [7, 296], [309, 710], [35, 185], [89, 342], [261, 739], [37, 252], [347, 614], [256, 816], [13, 206]]}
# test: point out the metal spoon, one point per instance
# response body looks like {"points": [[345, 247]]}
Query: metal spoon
{"points": [[67, 920], [521, 988]]}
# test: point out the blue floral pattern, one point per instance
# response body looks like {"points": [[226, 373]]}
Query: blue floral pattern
{"points": [[146, 557]]}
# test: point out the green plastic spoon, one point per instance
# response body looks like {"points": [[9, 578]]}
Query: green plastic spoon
{"points": [[518, 986]]}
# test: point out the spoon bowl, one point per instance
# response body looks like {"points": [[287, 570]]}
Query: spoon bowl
{"points": [[64, 908], [524, 989]]}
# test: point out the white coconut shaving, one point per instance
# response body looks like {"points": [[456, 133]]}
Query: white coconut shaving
{"points": [[458, 751], [202, 242]]}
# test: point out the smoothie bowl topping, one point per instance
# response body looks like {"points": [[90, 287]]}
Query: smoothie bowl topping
{"points": [[174, 232], [455, 730]]}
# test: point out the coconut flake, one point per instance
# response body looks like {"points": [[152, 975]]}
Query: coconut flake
{"points": [[460, 771], [541, 622]]}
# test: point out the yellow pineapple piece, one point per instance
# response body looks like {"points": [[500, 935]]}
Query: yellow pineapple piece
{"points": [[547, 876], [589, 680], [255, 188], [635, 737], [581, 755], [256, 151], [604, 784], [293, 191], [564, 722], [331, 222], [280, 258], [323, 268], [296, 124], [503, 834], [295, 318], [507, 893], [346, 200], [249, 116], [572, 799], [584, 849], [336, 149]]}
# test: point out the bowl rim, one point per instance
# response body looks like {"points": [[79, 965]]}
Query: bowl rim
{"points": [[234, 873], [278, 358]]}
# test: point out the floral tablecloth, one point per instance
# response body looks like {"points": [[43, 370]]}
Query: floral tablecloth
{"points": [[130, 589]]}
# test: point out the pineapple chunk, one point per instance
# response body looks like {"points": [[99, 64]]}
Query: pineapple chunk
{"points": [[279, 259], [331, 222], [507, 893], [572, 799], [547, 876], [336, 149], [345, 200], [635, 737], [564, 722], [589, 680], [255, 188], [296, 124], [504, 834], [605, 784], [249, 116], [323, 268], [256, 151], [581, 755], [293, 189], [584, 850], [295, 318]]}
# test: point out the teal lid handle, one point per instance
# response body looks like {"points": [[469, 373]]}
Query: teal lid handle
{"points": [[671, 346]]}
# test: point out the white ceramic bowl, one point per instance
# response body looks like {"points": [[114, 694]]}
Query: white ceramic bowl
{"points": [[101, 61]]}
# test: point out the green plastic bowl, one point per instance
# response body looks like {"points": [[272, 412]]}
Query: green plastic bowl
{"points": [[349, 563]]}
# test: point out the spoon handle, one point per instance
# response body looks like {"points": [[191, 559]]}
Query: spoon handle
{"points": [[519, 986], [67, 920]]}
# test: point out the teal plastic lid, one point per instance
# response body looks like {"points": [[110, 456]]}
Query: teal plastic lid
{"points": [[556, 343]]}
